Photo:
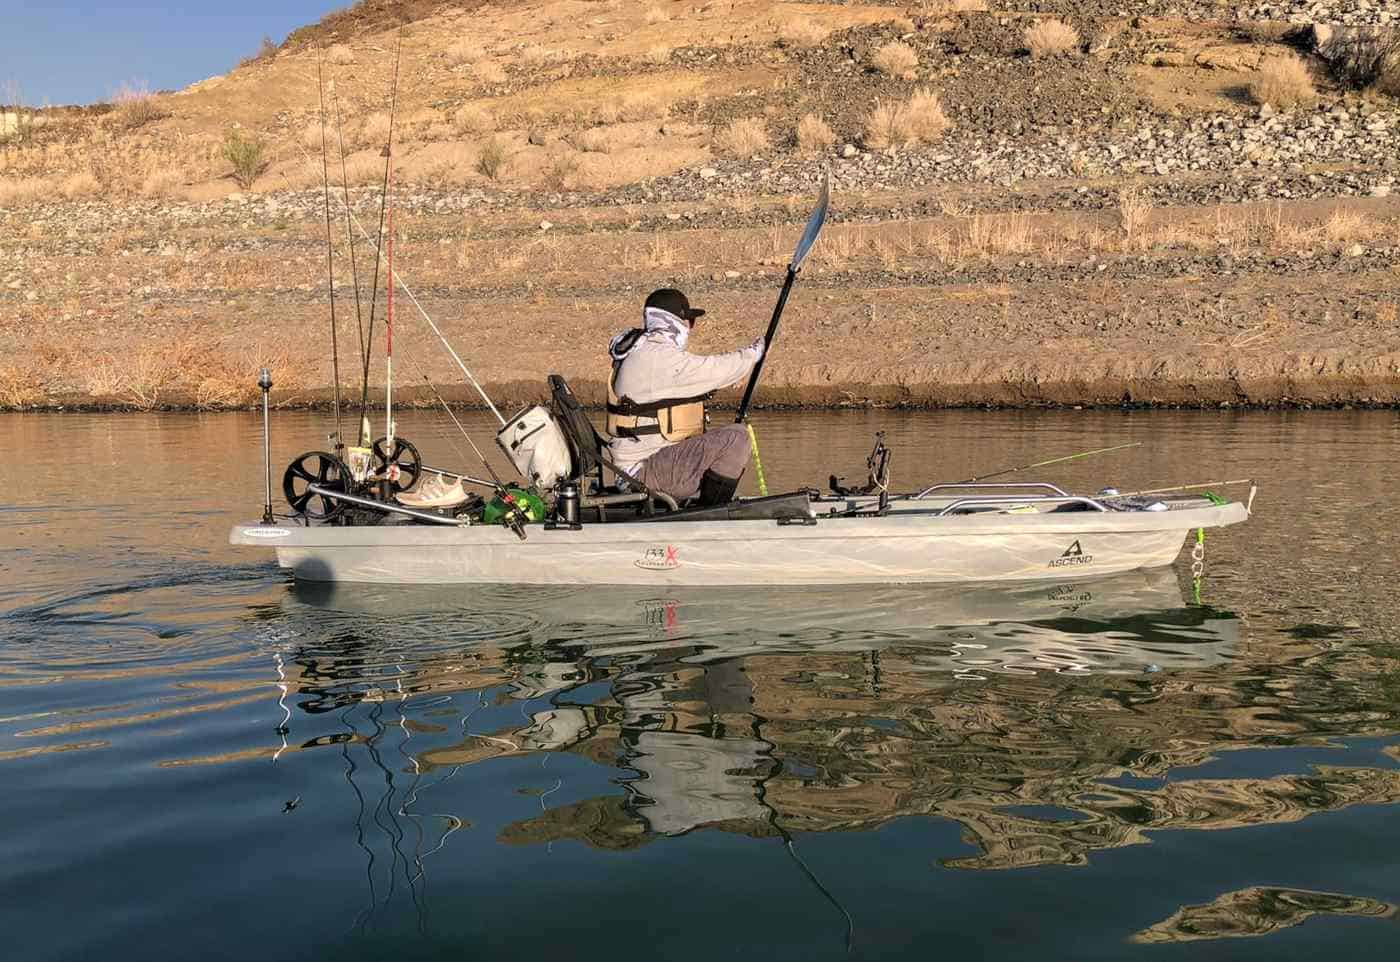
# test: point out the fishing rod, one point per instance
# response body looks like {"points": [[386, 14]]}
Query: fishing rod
{"points": [[1182, 487], [427, 319], [388, 341], [350, 242], [330, 256], [1027, 467], [379, 243]]}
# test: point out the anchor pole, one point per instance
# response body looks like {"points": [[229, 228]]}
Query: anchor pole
{"points": [[265, 382]]}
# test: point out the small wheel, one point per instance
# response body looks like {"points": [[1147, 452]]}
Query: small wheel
{"points": [[323, 470], [405, 458]]}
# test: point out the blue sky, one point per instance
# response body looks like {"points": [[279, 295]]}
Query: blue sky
{"points": [[62, 52]]}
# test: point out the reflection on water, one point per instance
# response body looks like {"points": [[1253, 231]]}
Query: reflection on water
{"points": [[1092, 768]]}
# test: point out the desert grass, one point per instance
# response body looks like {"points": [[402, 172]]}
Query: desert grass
{"points": [[464, 51], [374, 131], [918, 119], [660, 54], [657, 15], [1050, 38], [79, 185], [813, 134], [340, 54], [561, 172], [1283, 81], [801, 32], [743, 137], [896, 59], [473, 119], [21, 191]]}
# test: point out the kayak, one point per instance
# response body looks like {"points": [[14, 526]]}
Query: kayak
{"points": [[824, 541]]}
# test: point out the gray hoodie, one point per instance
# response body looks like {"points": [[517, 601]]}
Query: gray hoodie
{"points": [[657, 366]]}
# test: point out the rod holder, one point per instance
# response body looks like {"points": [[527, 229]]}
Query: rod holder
{"points": [[265, 383]]}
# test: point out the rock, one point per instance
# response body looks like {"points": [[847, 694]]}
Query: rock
{"points": [[537, 138], [545, 225], [708, 173], [1380, 190], [731, 275], [849, 151], [1355, 250]]}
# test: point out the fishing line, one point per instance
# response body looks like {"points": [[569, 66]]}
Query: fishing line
{"points": [[383, 204], [349, 236]]}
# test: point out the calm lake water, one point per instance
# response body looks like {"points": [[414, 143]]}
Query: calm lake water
{"points": [[200, 758]]}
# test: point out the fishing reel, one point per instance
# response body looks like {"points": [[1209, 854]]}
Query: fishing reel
{"points": [[325, 471], [401, 467]]}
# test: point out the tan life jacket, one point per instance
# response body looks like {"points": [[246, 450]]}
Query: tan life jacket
{"points": [[676, 418]]}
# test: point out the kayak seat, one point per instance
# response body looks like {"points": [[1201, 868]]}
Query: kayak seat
{"points": [[588, 451]]}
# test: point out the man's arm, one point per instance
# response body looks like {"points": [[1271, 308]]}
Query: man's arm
{"points": [[695, 374]]}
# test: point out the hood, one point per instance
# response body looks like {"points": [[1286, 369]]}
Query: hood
{"points": [[655, 321]]}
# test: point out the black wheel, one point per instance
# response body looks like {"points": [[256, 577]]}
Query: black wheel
{"points": [[323, 470], [405, 457]]}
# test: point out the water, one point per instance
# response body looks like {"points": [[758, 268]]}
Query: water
{"points": [[199, 757]]}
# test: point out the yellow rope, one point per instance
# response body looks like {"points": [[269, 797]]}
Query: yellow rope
{"points": [[757, 463]]}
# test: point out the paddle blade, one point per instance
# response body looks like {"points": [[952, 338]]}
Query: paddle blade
{"points": [[814, 226]]}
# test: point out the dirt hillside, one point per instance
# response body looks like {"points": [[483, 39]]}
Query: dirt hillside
{"points": [[1034, 203]]}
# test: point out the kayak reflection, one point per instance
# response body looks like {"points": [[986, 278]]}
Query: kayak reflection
{"points": [[707, 693]]}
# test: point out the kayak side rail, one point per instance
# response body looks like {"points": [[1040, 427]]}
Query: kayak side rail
{"points": [[984, 485], [386, 508], [1019, 499]]}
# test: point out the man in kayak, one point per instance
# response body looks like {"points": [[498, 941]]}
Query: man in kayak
{"points": [[656, 409]]}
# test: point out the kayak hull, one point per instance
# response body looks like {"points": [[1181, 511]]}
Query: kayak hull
{"points": [[904, 547]]}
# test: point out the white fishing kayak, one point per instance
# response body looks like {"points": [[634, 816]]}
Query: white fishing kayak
{"points": [[928, 541]]}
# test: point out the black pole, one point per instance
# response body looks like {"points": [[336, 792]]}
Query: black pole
{"points": [[265, 384], [767, 345]]}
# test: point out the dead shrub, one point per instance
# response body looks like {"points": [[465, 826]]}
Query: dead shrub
{"points": [[643, 105], [594, 140], [464, 51], [1366, 58], [657, 15], [896, 59], [813, 134], [19, 386], [492, 159], [1050, 38], [1133, 211], [801, 32], [489, 72], [340, 54], [560, 173], [1283, 81], [135, 107], [162, 182], [659, 54], [919, 119], [743, 138], [534, 56]]}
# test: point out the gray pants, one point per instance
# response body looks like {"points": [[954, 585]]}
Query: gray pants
{"points": [[677, 469]]}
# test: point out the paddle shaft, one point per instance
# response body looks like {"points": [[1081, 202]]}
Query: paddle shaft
{"points": [[767, 345]]}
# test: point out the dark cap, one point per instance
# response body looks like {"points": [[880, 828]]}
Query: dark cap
{"points": [[673, 301]]}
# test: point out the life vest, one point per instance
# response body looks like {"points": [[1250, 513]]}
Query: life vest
{"points": [[675, 419]]}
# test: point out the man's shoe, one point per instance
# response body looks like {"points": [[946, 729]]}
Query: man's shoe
{"points": [[716, 490]]}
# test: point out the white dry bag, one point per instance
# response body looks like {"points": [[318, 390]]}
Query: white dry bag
{"points": [[534, 443]]}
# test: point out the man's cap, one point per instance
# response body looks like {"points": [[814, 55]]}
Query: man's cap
{"points": [[673, 301]]}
